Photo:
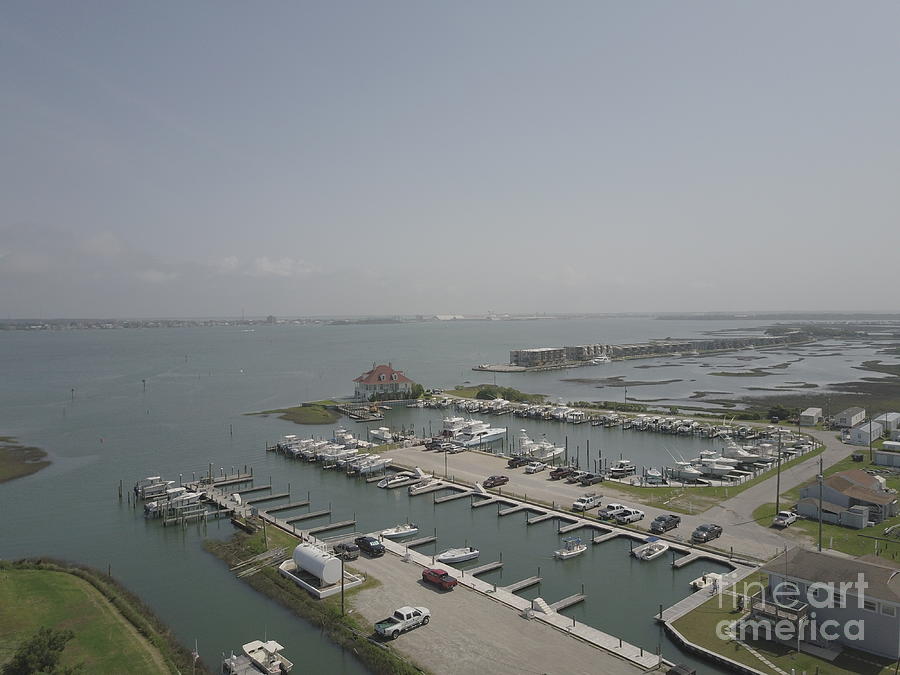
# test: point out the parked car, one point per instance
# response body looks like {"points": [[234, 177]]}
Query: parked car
{"points": [[611, 511], [561, 472], [665, 522], [516, 462], [495, 481], [784, 518], [346, 551], [433, 444], [591, 478], [706, 532], [402, 620], [535, 467], [585, 502], [439, 577], [629, 516], [576, 476], [370, 545]]}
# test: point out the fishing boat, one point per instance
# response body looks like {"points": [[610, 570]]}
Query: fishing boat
{"points": [[267, 657], [654, 477], [374, 464], [458, 555], [683, 471], [621, 468], [478, 432], [382, 434], [651, 550], [572, 546], [396, 480], [399, 531], [424, 485], [706, 580]]}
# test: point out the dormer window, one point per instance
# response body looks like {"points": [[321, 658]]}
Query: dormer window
{"points": [[381, 377], [394, 376]]}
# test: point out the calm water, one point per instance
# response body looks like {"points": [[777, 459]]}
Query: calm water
{"points": [[172, 400]]}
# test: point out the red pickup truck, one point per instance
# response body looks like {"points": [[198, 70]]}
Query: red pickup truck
{"points": [[440, 578]]}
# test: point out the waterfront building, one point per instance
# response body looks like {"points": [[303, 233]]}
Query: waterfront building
{"points": [[889, 421], [382, 379], [865, 433], [808, 588], [542, 356], [811, 417], [845, 497], [849, 417]]}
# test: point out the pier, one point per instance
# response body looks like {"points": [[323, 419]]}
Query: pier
{"points": [[455, 495], [421, 541], [269, 498], [285, 507], [567, 602], [331, 526], [250, 490], [571, 527], [512, 509], [534, 520], [600, 538], [307, 516], [225, 480], [524, 583], [483, 569]]}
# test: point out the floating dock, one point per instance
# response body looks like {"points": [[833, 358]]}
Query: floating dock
{"points": [[331, 526], [567, 602], [269, 498], [450, 498], [421, 541], [247, 491], [534, 520], [512, 509], [483, 569], [307, 516], [571, 527]]}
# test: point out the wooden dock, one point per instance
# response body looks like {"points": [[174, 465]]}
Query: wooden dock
{"points": [[258, 488], [226, 480], [483, 569], [307, 516], [285, 507], [685, 605], [512, 509], [450, 498], [268, 498], [524, 583], [421, 541], [534, 520], [567, 602], [688, 559], [600, 538], [571, 527], [485, 502], [331, 526]]}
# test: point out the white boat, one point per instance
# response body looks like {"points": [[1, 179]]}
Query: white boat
{"points": [[382, 434], [542, 450], [706, 580], [651, 550], [398, 531], [396, 480], [621, 468], [653, 476], [374, 464], [477, 432], [424, 485], [458, 555], [267, 657], [600, 360], [572, 546], [683, 471]]}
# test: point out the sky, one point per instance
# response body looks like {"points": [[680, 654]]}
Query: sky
{"points": [[173, 159]]}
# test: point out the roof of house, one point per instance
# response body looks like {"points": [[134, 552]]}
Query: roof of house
{"points": [[888, 416], [374, 376], [855, 410], [860, 485], [880, 573], [812, 411]]}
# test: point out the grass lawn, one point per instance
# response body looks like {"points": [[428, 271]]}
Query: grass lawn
{"points": [[104, 641], [303, 414], [834, 536], [17, 460], [699, 627], [508, 393], [698, 499]]}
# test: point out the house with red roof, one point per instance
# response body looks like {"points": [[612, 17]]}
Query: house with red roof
{"points": [[382, 379]]}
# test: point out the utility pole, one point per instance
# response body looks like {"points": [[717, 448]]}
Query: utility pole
{"points": [[871, 454], [778, 477], [821, 478]]}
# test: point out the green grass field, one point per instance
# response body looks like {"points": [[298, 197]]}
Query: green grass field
{"points": [[105, 642]]}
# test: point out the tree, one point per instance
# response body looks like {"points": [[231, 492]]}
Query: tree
{"points": [[40, 654]]}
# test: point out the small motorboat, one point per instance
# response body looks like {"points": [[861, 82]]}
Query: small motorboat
{"points": [[572, 546], [267, 657], [458, 555], [399, 531], [396, 480], [651, 550], [708, 579], [424, 485]]}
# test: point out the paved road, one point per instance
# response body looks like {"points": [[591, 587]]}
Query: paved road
{"points": [[734, 514], [456, 641]]}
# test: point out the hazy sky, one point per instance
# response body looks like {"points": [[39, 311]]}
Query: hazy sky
{"points": [[192, 158]]}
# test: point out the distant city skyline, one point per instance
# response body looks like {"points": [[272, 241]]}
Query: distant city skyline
{"points": [[354, 159]]}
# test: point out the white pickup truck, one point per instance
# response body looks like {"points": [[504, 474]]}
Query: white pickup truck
{"points": [[402, 620], [585, 502], [784, 518]]}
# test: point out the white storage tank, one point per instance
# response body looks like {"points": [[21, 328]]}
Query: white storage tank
{"points": [[322, 565]]}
